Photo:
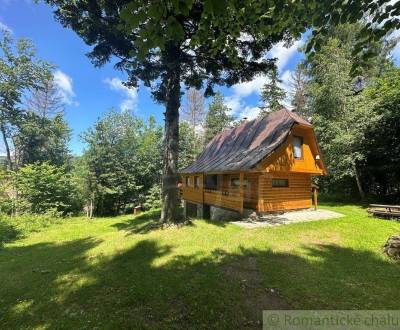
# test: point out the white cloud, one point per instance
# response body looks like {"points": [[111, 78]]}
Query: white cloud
{"points": [[246, 88], [283, 54], [130, 94], [5, 27], [64, 84], [233, 102], [250, 112]]}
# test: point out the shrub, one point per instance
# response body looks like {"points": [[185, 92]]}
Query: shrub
{"points": [[44, 188]]}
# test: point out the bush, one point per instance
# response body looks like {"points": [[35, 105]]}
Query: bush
{"points": [[44, 188]]}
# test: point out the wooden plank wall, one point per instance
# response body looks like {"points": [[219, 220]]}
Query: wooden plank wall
{"points": [[218, 198], [296, 196], [190, 193]]}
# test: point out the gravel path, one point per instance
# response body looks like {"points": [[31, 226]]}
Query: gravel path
{"points": [[288, 218]]}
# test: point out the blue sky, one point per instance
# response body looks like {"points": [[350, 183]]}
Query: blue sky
{"points": [[89, 92]]}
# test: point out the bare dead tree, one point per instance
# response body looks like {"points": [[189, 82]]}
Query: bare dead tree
{"points": [[193, 112], [298, 91], [46, 101]]}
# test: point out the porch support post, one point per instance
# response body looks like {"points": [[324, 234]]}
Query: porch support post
{"points": [[315, 198], [241, 192]]}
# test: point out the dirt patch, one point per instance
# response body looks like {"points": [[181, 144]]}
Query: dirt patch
{"points": [[257, 296]]}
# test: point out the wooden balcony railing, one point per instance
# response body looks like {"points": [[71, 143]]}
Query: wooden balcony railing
{"points": [[229, 199]]}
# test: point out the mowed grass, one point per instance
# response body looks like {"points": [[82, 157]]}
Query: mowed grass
{"points": [[124, 272]]}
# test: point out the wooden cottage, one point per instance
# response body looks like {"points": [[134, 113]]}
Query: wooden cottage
{"points": [[265, 164]]}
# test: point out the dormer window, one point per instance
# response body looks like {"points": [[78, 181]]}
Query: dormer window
{"points": [[298, 147]]}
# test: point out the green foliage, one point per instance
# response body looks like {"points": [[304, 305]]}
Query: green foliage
{"points": [[341, 115], [190, 144], [19, 72], [382, 143], [272, 94], [153, 198], [40, 139], [44, 188], [217, 118], [122, 162]]}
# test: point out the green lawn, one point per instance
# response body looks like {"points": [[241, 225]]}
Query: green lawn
{"points": [[124, 273]]}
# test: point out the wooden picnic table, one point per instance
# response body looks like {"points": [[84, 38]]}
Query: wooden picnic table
{"points": [[385, 210]]}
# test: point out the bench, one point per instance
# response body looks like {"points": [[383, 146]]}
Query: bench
{"points": [[386, 211]]}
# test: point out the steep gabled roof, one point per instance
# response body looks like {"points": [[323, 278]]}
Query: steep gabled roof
{"points": [[243, 147]]}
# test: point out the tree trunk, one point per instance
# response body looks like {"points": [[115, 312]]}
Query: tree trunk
{"points": [[8, 153], [169, 194], [91, 209], [359, 184]]}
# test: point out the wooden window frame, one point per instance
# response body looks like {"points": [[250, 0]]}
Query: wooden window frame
{"points": [[187, 181], [279, 186], [245, 182], [301, 147]]}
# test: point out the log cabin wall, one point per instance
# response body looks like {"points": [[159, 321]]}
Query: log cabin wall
{"points": [[275, 196], [282, 160], [192, 191]]}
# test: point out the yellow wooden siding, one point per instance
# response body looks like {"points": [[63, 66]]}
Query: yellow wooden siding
{"points": [[190, 193], [282, 160], [296, 196], [229, 200]]}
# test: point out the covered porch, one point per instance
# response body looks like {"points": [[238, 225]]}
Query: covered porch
{"points": [[234, 191]]}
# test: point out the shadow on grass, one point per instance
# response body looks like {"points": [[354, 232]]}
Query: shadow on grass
{"points": [[218, 223], [144, 223], [147, 286]]}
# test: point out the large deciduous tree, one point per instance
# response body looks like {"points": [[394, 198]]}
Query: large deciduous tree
{"points": [[121, 163], [20, 71], [166, 43]]}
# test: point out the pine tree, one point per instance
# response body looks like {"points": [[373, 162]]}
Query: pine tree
{"points": [[217, 118], [272, 94]]}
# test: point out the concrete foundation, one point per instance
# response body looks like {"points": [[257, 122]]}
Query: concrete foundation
{"points": [[218, 213], [195, 210], [203, 211]]}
